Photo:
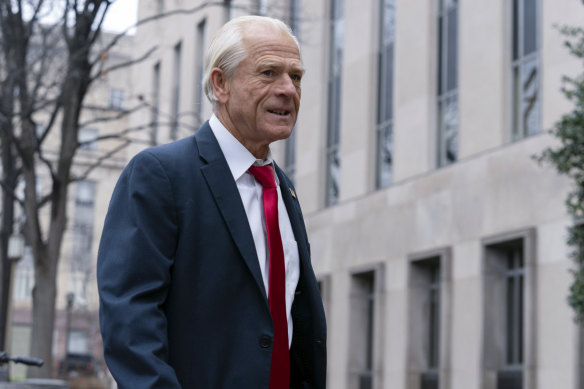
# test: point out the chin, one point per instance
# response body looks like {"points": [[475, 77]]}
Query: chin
{"points": [[279, 132]]}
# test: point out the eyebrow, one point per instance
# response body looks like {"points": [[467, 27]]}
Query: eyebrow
{"points": [[278, 65]]}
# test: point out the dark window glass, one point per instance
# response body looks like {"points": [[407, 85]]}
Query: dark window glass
{"points": [[200, 54], [290, 156], [440, 56], [515, 29], [434, 314], [176, 91], [514, 309], [155, 103], [452, 67], [362, 329], [529, 26]]}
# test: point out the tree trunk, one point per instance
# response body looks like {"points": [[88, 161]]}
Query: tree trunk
{"points": [[9, 178], [43, 316], [14, 47], [45, 290], [5, 232], [74, 90]]}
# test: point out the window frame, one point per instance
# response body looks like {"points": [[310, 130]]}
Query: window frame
{"points": [[375, 326], [420, 268], [494, 291], [116, 98]]}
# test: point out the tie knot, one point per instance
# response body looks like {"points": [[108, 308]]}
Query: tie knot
{"points": [[264, 175]]}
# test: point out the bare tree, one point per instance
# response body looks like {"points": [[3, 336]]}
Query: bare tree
{"points": [[33, 84], [47, 70]]}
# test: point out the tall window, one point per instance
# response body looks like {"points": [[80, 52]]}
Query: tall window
{"points": [[24, 276], [506, 326], [333, 158], [87, 138], [78, 342], [290, 145], [81, 263], [362, 330], [116, 98], [434, 316], [176, 91], [155, 103], [228, 9], [294, 16], [261, 7], [428, 319], [525, 67], [200, 53], [290, 156], [83, 225], [514, 307], [385, 95], [447, 139]]}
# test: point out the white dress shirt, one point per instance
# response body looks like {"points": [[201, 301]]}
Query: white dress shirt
{"points": [[240, 160]]}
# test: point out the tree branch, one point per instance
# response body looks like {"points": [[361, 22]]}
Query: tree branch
{"points": [[98, 28], [188, 11], [118, 135], [8, 190], [98, 162], [51, 122], [66, 23], [119, 115], [124, 64]]}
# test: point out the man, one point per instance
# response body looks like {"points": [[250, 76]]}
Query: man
{"points": [[204, 275]]}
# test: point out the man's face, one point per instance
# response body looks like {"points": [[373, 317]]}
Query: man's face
{"points": [[262, 99]]}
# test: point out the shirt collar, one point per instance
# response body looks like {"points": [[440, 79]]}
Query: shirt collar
{"points": [[239, 159]]}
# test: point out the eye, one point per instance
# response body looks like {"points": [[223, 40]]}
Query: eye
{"points": [[268, 73], [295, 77]]}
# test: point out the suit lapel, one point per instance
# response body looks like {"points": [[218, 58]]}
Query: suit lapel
{"points": [[224, 190]]}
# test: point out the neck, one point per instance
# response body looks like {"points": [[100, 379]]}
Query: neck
{"points": [[258, 151]]}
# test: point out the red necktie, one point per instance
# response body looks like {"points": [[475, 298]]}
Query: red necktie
{"points": [[280, 370]]}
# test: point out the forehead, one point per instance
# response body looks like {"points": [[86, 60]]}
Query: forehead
{"points": [[261, 42]]}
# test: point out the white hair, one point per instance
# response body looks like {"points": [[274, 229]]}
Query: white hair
{"points": [[226, 50]]}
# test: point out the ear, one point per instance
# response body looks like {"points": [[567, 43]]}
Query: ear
{"points": [[220, 85]]}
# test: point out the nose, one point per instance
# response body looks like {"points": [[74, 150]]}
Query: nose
{"points": [[286, 86]]}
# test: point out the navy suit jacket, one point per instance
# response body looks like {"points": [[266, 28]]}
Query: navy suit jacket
{"points": [[182, 301]]}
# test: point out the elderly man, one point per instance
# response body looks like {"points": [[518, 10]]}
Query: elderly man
{"points": [[204, 269]]}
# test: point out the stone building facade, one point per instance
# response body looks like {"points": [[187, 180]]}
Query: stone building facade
{"points": [[438, 241]]}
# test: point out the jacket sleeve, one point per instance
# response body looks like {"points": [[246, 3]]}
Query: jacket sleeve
{"points": [[133, 272]]}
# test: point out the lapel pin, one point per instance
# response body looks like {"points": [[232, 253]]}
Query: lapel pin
{"points": [[292, 193]]}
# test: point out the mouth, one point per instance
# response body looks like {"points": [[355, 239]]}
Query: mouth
{"points": [[279, 112]]}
